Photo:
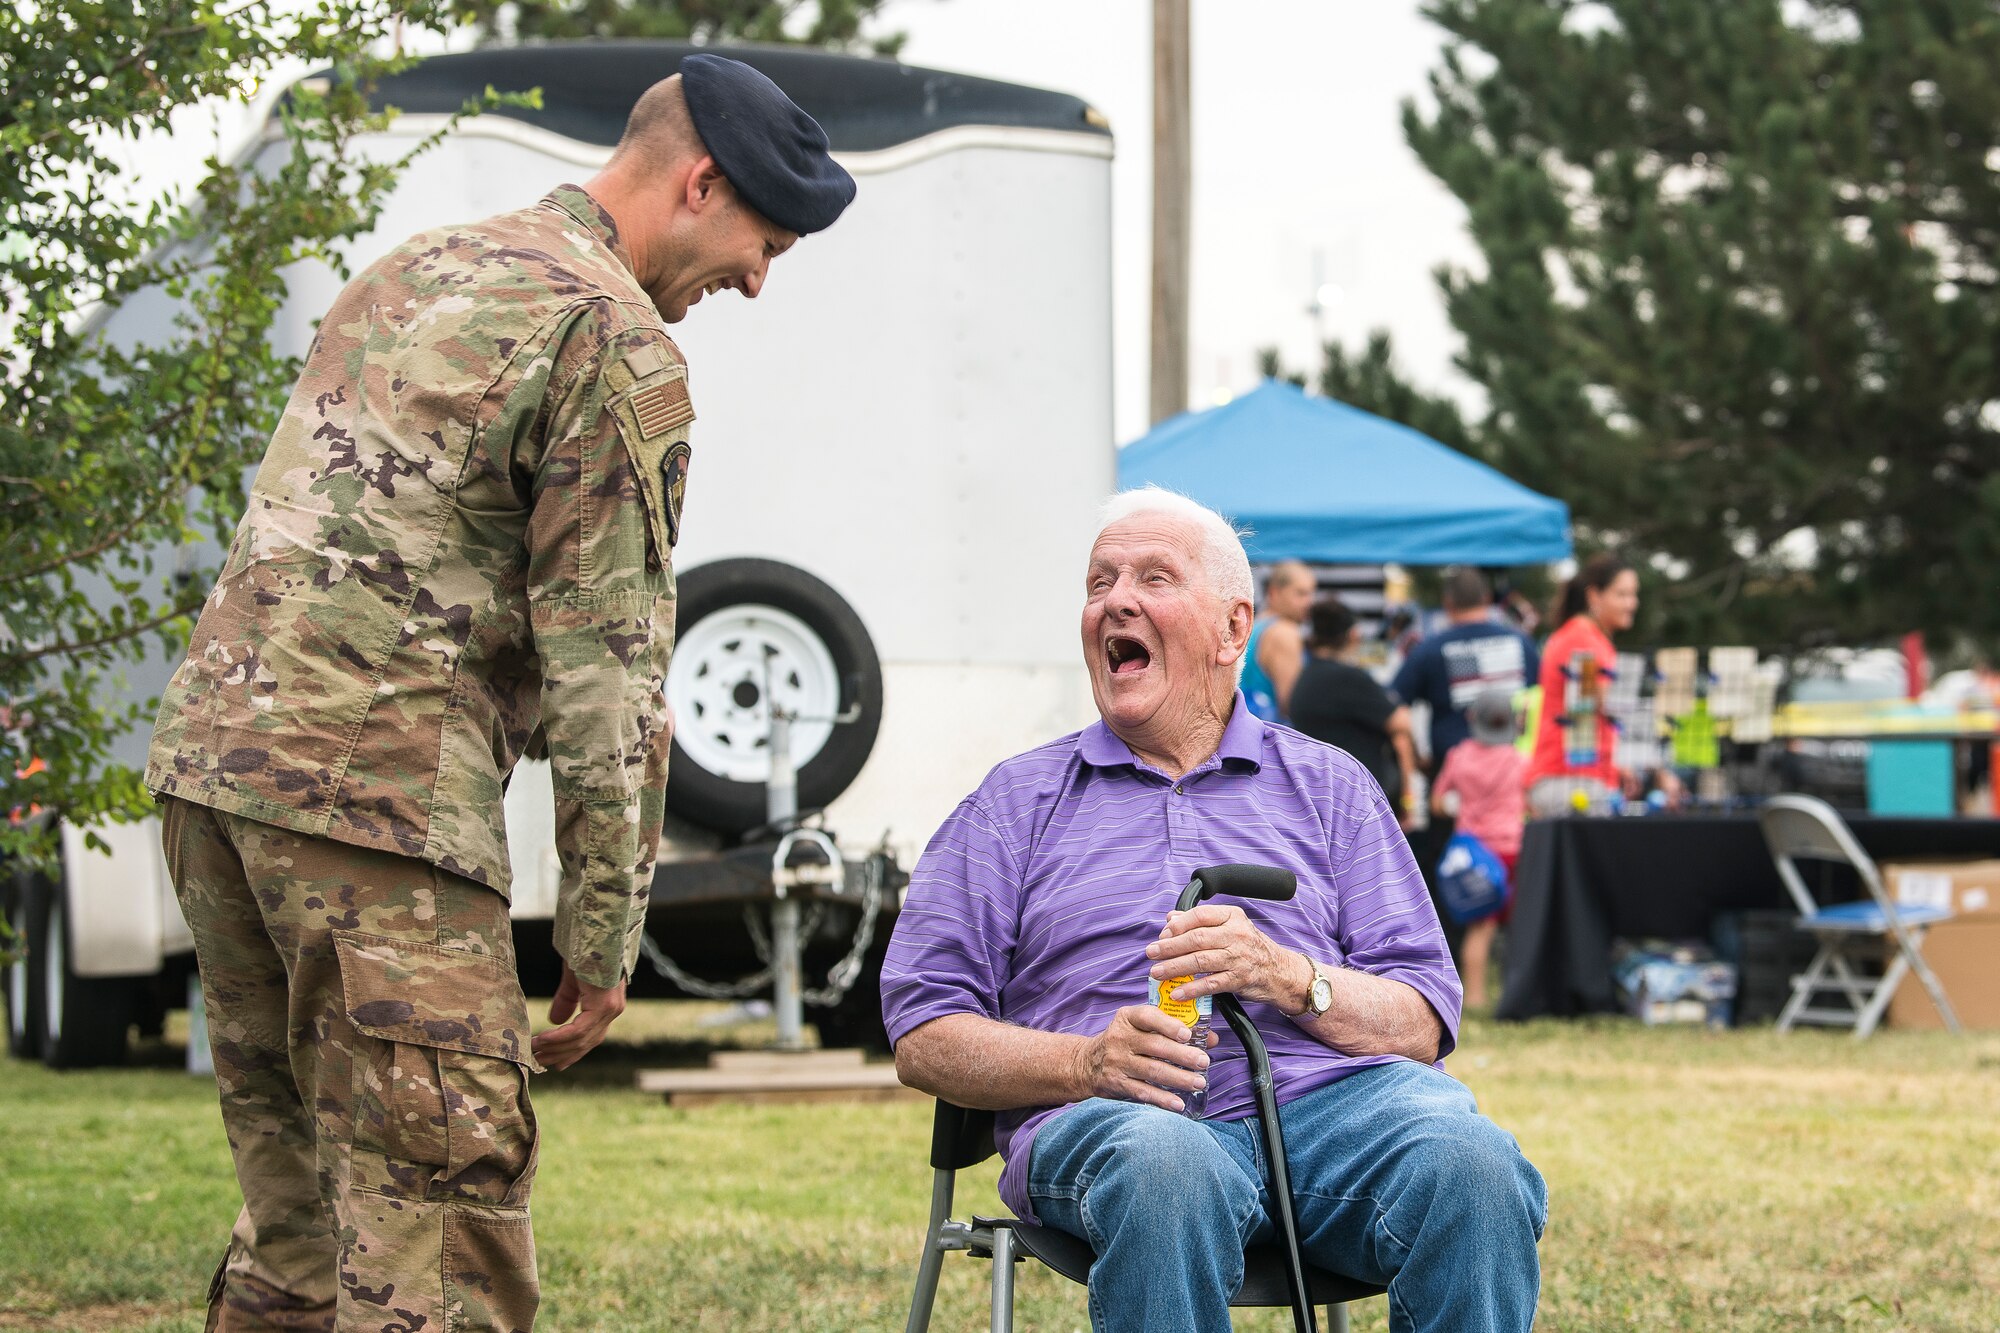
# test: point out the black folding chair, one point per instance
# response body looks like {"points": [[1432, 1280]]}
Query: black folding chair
{"points": [[1273, 1274], [962, 1138]]}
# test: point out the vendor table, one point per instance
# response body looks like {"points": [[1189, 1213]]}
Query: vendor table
{"points": [[1583, 882]]}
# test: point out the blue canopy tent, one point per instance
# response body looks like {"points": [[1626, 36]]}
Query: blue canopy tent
{"points": [[1320, 481]]}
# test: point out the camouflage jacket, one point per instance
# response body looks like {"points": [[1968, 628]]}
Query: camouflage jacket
{"points": [[461, 531]]}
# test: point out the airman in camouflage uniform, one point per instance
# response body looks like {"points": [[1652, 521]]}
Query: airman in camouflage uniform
{"points": [[459, 541]]}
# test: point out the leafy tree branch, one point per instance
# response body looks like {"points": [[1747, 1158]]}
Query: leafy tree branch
{"points": [[122, 462]]}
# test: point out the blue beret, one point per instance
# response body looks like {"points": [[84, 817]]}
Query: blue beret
{"points": [[774, 154]]}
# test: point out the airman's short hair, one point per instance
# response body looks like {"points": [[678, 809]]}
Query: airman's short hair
{"points": [[660, 131]]}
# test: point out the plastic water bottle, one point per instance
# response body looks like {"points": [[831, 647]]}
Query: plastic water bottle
{"points": [[1197, 1014]]}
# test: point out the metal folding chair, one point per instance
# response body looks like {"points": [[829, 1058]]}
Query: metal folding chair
{"points": [[962, 1138], [1800, 828], [1275, 1274]]}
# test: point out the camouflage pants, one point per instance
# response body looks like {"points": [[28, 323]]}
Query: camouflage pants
{"points": [[371, 1045]]}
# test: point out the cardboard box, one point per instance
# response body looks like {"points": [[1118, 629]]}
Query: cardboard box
{"points": [[1964, 951], [1966, 957], [1968, 888]]}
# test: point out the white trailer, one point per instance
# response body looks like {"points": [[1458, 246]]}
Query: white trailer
{"points": [[898, 457]]}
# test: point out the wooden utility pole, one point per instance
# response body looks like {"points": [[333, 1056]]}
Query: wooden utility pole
{"points": [[1172, 173]]}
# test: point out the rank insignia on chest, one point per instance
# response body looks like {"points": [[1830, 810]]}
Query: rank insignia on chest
{"points": [[660, 408]]}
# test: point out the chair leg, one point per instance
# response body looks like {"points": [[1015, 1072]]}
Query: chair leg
{"points": [[1003, 1280], [932, 1263], [1803, 986], [1851, 984], [1336, 1318], [927, 1284], [1931, 983], [1878, 1003]]}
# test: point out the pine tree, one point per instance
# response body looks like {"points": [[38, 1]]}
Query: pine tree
{"points": [[1739, 298]]}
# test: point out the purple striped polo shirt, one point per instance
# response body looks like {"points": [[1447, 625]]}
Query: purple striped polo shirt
{"points": [[1035, 901]]}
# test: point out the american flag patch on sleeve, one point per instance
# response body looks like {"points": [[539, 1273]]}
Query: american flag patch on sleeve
{"points": [[660, 408]]}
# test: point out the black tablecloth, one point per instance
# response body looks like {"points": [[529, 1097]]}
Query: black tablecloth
{"points": [[1583, 882]]}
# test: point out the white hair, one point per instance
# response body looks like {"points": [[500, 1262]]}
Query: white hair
{"points": [[1223, 560]]}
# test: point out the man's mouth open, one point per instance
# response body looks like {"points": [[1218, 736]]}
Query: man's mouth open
{"points": [[1126, 657]]}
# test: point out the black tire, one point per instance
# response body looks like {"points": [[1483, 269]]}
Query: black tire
{"points": [[25, 984], [86, 1021], [735, 803]]}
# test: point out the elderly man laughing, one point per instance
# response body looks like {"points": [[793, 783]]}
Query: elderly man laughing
{"points": [[1017, 980]]}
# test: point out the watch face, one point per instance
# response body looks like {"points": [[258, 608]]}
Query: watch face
{"points": [[1322, 995]]}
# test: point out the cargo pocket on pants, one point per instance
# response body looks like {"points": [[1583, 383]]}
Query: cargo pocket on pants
{"points": [[489, 1270], [440, 1112]]}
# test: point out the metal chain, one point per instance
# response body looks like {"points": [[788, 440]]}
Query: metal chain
{"points": [[693, 985], [760, 939], [840, 977]]}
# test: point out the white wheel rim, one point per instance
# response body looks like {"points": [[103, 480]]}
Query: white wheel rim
{"points": [[52, 972], [717, 687]]}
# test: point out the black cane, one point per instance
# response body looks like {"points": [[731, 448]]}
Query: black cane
{"points": [[1273, 884]]}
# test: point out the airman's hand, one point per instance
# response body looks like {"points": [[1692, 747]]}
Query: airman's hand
{"points": [[585, 1013], [1225, 952], [1141, 1057]]}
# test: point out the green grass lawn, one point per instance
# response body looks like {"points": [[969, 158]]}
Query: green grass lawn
{"points": [[1728, 1180]]}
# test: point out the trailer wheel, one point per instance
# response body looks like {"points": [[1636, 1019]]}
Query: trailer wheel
{"points": [[24, 984], [748, 630], [86, 1020]]}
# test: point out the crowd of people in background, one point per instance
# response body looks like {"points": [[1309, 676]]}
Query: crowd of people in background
{"points": [[1276, 652], [1476, 677], [1338, 702]]}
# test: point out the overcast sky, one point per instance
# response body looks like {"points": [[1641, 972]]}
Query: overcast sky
{"points": [[1299, 160]]}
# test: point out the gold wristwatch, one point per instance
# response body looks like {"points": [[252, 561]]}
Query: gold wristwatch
{"points": [[1319, 996]]}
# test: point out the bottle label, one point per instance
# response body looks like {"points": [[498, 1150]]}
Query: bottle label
{"points": [[1189, 1012]]}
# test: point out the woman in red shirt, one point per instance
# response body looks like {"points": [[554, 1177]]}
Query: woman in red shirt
{"points": [[1572, 768]]}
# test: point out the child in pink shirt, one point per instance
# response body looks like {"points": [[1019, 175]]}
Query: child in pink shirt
{"points": [[1485, 774]]}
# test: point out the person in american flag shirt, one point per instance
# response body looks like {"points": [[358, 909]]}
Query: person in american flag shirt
{"points": [[1476, 653]]}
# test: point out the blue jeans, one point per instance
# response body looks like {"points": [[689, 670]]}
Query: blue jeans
{"points": [[1396, 1179]]}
